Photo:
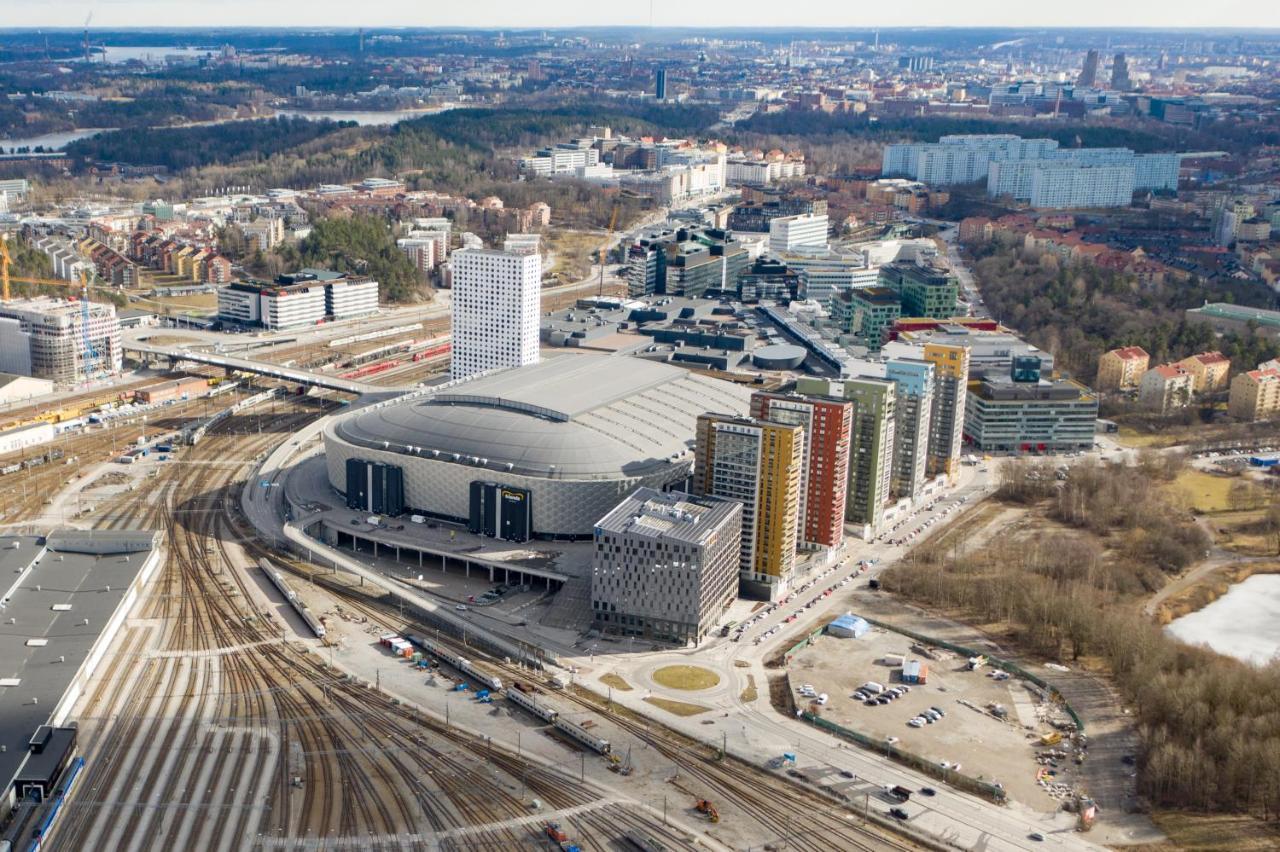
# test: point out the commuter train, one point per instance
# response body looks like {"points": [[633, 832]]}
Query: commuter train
{"points": [[581, 735], [462, 664], [41, 830], [531, 705], [304, 612]]}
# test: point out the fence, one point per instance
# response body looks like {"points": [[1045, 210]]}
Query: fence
{"points": [[963, 782], [995, 662]]}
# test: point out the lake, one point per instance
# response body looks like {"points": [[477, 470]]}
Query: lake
{"points": [[51, 141], [149, 54], [369, 118], [1244, 623]]}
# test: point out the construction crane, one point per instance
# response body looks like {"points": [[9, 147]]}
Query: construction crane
{"points": [[4, 268], [604, 247], [90, 353]]}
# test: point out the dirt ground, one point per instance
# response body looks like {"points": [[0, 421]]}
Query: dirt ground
{"points": [[984, 746]]}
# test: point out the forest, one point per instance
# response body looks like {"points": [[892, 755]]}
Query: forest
{"points": [[1078, 312], [179, 148], [1210, 726], [359, 244]]}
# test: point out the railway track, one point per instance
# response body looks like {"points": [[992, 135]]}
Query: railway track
{"points": [[807, 820], [208, 730]]}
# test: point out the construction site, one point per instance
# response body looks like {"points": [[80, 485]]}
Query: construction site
{"points": [[66, 341]]}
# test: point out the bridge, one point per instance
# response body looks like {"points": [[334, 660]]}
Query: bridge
{"points": [[275, 371]]}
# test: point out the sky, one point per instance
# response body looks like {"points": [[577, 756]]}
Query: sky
{"points": [[570, 13]]}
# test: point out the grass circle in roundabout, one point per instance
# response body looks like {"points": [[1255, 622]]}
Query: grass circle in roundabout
{"points": [[686, 677]]}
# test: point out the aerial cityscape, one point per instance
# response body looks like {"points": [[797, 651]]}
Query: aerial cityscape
{"points": [[639, 429]]}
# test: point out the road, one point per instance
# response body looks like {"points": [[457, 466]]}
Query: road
{"points": [[754, 731]]}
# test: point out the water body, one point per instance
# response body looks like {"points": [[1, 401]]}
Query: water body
{"points": [[51, 141], [1244, 623], [367, 118], [149, 54]]}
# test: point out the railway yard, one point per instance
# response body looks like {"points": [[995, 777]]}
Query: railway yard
{"points": [[218, 721]]}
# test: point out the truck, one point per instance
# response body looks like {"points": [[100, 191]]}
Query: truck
{"points": [[898, 792], [872, 688], [373, 520]]}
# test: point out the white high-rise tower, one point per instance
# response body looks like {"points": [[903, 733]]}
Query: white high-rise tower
{"points": [[495, 309]]}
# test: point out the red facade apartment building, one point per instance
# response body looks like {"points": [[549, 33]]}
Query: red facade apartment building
{"points": [[827, 427]]}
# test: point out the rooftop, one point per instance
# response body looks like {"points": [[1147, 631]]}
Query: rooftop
{"points": [[1240, 313], [570, 416], [671, 515], [64, 590]]}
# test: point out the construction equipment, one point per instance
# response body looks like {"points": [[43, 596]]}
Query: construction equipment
{"points": [[604, 247], [705, 807], [90, 354]]}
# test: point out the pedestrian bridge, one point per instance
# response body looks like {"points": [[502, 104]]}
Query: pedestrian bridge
{"points": [[176, 354]]}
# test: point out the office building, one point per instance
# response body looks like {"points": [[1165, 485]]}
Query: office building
{"points": [[925, 291], [825, 465], [874, 309], [564, 158], [660, 84], [1120, 73], [1122, 369], [870, 445], [913, 414], [349, 298], [1255, 394], [759, 464], [48, 339], [1208, 371], [684, 262], [665, 565], [496, 304], [1025, 413], [1089, 73], [805, 230]]}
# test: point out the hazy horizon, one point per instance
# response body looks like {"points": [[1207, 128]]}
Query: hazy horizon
{"points": [[1086, 14]]}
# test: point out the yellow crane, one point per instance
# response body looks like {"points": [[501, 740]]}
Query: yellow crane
{"points": [[5, 278]]}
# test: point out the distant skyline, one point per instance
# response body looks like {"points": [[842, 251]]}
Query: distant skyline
{"points": [[496, 14]]}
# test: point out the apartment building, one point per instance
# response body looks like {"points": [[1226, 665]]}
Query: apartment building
{"points": [[1122, 369], [1165, 387], [950, 395], [496, 307], [759, 464], [914, 381], [1255, 394], [665, 565], [827, 425], [1208, 371], [265, 233], [871, 444]]}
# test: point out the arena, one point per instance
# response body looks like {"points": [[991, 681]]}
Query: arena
{"points": [[542, 451]]}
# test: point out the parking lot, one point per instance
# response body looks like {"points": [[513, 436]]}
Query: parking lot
{"points": [[969, 738]]}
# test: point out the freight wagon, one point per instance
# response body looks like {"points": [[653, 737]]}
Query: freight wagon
{"points": [[581, 735], [532, 705]]}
